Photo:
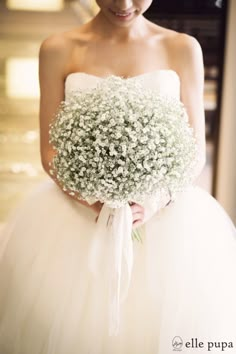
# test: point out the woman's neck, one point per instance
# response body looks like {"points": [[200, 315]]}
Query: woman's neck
{"points": [[104, 28]]}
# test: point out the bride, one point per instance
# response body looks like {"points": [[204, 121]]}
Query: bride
{"points": [[182, 291]]}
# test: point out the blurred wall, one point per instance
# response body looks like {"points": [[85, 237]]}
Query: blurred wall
{"points": [[226, 170]]}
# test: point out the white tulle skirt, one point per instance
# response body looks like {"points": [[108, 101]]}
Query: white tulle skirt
{"points": [[182, 290]]}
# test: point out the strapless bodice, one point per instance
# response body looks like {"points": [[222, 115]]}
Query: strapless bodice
{"points": [[166, 82]]}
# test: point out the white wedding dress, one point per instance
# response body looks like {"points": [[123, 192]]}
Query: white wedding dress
{"points": [[182, 286]]}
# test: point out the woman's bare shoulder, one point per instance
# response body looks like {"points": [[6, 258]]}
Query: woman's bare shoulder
{"points": [[56, 43], [64, 42], [173, 40], [176, 40], [57, 49], [183, 48], [182, 41], [54, 49]]}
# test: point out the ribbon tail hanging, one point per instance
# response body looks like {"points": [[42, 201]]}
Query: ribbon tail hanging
{"points": [[121, 263], [112, 251]]}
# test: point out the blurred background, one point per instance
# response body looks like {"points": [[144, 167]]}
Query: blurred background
{"points": [[24, 24]]}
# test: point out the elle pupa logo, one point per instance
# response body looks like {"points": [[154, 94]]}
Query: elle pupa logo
{"points": [[194, 343], [177, 343]]}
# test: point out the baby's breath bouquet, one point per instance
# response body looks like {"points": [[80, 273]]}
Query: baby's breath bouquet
{"points": [[119, 143]]}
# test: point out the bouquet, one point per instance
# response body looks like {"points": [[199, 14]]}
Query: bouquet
{"points": [[118, 143]]}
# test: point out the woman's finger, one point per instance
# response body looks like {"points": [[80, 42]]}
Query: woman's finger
{"points": [[136, 208], [138, 216], [137, 223]]}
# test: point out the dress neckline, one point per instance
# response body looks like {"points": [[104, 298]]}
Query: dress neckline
{"points": [[171, 71]]}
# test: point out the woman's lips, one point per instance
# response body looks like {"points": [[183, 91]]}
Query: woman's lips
{"points": [[122, 15]]}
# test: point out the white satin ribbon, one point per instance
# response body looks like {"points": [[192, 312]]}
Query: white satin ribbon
{"points": [[113, 232], [111, 252]]}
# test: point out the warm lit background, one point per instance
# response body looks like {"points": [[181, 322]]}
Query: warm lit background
{"points": [[26, 23]]}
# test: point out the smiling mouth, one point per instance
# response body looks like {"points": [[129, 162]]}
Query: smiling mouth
{"points": [[123, 15]]}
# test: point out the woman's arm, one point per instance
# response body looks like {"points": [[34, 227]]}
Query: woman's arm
{"points": [[54, 57], [187, 60], [189, 65]]}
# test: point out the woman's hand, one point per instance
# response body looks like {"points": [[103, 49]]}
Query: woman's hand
{"points": [[138, 213], [137, 210]]}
